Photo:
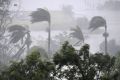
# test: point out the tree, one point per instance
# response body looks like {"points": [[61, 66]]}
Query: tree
{"points": [[20, 36], [67, 64], [10, 35], [17, 41], [4, 19], [73, 66], [115, 75], [4, 15], [43, 15], [41, 50], [6, 45], [97, 22], [77, 33], [31, 68], [104, 64], [82, 65]]}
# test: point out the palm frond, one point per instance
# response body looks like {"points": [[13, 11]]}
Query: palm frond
{"points": [[77, 33], [97, 22], [40, 15], [17, 33], [16, 27], [16, 36]]}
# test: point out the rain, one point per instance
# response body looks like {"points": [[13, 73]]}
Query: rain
{"points": [[56, 30]]}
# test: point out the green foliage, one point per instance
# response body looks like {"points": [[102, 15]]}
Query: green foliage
{"points": [[72, 65], [67, 64], [104, 64], [66, 55], [116, 73], [117, 62], [42, 51], [32, 68], [80, 65]]}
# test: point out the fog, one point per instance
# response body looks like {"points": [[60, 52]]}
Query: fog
{"points": [[60, 39], [66, 14]]}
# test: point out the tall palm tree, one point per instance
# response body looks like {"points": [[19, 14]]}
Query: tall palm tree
{"points": [[97, 22], [39, 16], [77, 33]]}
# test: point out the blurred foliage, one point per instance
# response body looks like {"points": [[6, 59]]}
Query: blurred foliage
{"points": [[32, 68], [77, 33], [97, 22], [67, 64], [41, 50], [81, 65], [14, 39], [40, 15]]}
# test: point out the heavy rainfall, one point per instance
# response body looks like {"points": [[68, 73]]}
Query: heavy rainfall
{"points": [[59, 40]]}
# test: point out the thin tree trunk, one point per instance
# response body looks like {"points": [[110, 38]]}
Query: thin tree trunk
{"points": [[49, 40]]}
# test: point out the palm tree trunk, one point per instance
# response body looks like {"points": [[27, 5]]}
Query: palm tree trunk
{"points": [[49, 40], [106, 35]]}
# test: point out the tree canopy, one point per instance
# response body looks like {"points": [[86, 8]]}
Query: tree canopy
{"points": [[67, 64]]}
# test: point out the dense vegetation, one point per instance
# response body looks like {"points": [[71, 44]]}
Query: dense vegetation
{"points": [[67, 64]]}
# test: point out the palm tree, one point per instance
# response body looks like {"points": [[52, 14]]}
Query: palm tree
{"points": [[19, 35], [6, 41], [39, 16], [77, 33], [98, 22]]}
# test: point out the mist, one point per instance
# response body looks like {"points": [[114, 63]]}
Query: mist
{"points": [[67, 14], [59, 39]]}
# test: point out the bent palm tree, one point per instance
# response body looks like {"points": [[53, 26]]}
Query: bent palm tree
{"points": [[21, 35], [98, 22], [77, 33], [42, 15]]}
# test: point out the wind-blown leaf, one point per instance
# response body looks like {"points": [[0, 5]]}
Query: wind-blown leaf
{"points": [[97, 22], [40, 15]]}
